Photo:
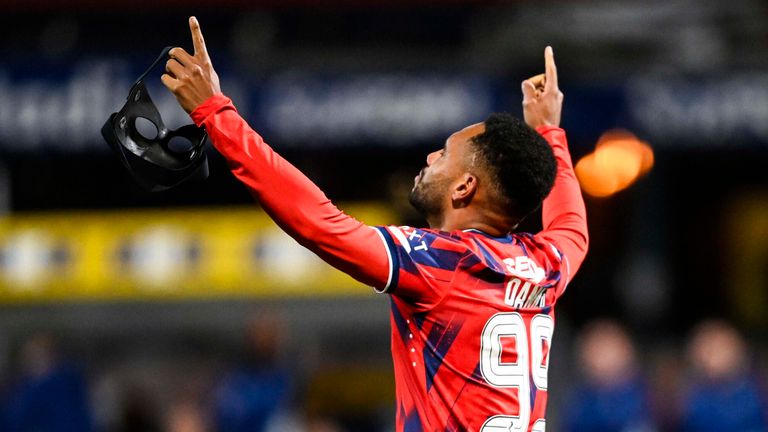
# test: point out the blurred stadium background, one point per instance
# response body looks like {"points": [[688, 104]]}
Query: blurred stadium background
{"points": [[183, 310]]}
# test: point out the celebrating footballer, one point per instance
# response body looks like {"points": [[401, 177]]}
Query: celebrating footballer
{"points": [[472, 301]]}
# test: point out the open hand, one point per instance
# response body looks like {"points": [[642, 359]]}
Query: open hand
{"points": [[542, 99], [191, 78]]}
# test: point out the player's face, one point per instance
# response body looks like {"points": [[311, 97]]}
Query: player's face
{"points": [[432, 186]]}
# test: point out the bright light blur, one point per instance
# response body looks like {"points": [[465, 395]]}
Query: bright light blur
{"points": [[619, 159]]}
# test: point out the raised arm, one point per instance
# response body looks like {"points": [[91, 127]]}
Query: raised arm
{"points": [[296, 204], [563, 214]]}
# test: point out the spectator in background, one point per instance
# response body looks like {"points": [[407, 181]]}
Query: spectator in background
{"points": [[185, 416], [250, 396], [612, 396], [50, 395], [723, 394]]}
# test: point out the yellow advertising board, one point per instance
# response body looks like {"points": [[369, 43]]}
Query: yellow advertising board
{"points": [[747, 257], [163, 254]]}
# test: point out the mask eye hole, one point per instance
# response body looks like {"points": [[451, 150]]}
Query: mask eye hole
{"points": [[180, 144], [145, 128]]}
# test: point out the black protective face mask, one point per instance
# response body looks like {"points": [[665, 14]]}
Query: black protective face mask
{"points": [[154, 163]]}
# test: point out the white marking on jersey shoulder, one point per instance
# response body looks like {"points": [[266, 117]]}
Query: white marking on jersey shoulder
{"points": [[390, 262], [400, 237]]}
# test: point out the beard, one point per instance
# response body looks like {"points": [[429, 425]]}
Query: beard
{"points": [[426, 197]]}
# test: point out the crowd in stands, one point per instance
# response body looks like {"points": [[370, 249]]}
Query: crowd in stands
{"points": [[713, 384]]}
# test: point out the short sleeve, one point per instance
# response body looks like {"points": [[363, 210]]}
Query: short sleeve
{"points": [[423, 263]]}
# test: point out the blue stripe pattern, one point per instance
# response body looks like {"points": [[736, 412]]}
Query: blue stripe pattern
{"points": [[429, 256], [476, 375], [471, 260], [418, 318], [534, 391], [439, 341], [506, 239], [413, 422], [438, 258], [402, 326], [490, 261]]}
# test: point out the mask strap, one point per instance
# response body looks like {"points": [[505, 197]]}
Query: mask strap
{"points": [[162, 56]]}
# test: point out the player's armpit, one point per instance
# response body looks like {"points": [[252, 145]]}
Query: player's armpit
{"points": [[296, 204], [563, 213]]}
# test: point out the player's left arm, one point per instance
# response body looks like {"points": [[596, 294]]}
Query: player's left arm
{"points": [[563, 212], [296, 204]]}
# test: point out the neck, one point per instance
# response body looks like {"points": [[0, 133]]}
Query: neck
{"points": [[493, 224]]}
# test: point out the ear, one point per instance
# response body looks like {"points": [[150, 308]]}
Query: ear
{"points": [[464, 189]]}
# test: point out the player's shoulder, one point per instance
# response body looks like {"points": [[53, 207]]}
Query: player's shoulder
{"points": [[494, 251], [519, 254], [538, 243], [424, 239]]}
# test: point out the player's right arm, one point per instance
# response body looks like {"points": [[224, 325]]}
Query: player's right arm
{"points": [[563, 213], [296, 204]]}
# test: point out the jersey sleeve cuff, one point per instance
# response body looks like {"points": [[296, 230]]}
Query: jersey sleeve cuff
{"points": [[211, 106], [394, 265], [542, 130]]}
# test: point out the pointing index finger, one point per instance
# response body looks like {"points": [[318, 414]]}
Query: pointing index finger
{"points": [[197, 39], [550, 69]]}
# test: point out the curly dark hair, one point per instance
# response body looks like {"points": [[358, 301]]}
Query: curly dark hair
{"points": [[518, 160]]}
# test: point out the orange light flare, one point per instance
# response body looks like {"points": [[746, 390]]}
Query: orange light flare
{"points": [[619, 159]]}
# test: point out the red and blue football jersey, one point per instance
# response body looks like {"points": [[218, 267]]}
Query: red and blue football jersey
{"points": [[472, 321], [472, 315]]}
